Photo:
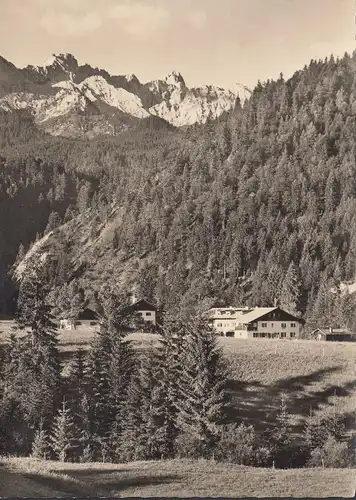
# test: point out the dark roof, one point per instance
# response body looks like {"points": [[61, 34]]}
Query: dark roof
{"points": [[88, 314], [141, 305]]}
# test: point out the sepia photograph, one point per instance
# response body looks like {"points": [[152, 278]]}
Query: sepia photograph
{"points": [[177, 249]]}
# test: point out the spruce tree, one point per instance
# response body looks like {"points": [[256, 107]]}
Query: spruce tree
{"points": [[40, 445], [64, 437], [171, 360], [280, 437], [290, 291], [109, 367], [203, 403], [34, 372]]}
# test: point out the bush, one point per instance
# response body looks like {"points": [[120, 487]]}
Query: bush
{"points": [[333, 454], [240, 445]]}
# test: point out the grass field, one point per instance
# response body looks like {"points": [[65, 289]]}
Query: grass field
{"points": [[311, 374], [177, 478]]}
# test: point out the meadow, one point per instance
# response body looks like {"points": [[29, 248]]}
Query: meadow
{"points": [[174, 478], [312, 375]]}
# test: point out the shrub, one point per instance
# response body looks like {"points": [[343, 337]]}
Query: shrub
{"points": [[332, 454], [239, 444]]}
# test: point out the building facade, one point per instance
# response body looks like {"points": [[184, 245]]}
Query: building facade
{"points": [[254, 323], [333, 335], [87, 320], [145, 310]]}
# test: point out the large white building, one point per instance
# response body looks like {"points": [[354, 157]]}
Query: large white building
{"points": [[257, 322]]}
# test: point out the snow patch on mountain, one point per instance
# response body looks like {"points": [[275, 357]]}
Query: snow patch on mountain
{"points": [[72, 97], [188, 106], [97, 88], [66, 100], [242, 92]]}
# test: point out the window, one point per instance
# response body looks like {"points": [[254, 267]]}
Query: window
{"points": [[148, 314], [263, 334], [264, 325], [292, 335], [272, 325], [283, 335], [219, 324], [78, 322], [284, 325], [292, 325], [92, 323], [255, 334]]}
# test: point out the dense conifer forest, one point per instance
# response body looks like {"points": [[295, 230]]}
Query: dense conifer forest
{"points": [[256, 207]]}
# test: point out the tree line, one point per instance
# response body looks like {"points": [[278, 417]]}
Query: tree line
{"points": [[116, 403]]}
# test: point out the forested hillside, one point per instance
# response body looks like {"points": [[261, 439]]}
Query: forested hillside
{"points": [[258, 206]]}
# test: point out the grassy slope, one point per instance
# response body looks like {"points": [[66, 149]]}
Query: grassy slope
{"points": [[312, 375], [174, 478]]}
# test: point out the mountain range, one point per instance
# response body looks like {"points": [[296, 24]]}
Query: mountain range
{"points": [[73, 100], [255, 206]]}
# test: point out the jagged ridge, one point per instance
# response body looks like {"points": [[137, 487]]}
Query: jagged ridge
{"points": [[71, 99]]}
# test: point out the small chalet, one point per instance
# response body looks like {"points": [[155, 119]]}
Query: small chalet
{"points": [[87, 319], [145, 309], [255, 322], [333, 335]]}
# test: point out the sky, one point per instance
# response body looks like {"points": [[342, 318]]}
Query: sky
{"points": [[216, 42]]}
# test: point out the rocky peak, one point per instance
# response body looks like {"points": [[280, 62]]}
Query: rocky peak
{"points": [[175, 78]]}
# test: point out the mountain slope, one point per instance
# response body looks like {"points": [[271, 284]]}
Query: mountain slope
{"points": [[257, 206], [80, 101]]}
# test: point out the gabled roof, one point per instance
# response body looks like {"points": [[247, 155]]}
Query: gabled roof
{"points": [[259, 312], [256, 314], [88, 314], [335, 331], [141, 305]]}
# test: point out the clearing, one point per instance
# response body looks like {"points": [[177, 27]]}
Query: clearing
{"points": [[176, 478]]}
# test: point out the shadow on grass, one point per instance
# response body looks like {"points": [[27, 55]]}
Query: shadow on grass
{"points": [[63, 485], [258, 404], [116, 484], [77, 473], [92, 482]]}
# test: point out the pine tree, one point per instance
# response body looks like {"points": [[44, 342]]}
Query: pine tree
{"points": [[170, 359], [110, 364], [36, 381], [203, 405], [87, 440], [130, 443], [40, 445], [280, 438], [64, 437], [290, 292]]}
